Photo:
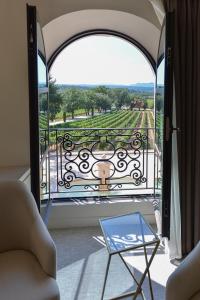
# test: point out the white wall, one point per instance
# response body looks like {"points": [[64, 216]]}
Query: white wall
{"points": [[66, 215], [14, 113]]}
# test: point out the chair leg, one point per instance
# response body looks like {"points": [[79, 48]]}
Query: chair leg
{"points": [[106, 275]]}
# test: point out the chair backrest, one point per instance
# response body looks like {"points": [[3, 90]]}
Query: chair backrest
{"points": [[17, 213], [184, 282]]}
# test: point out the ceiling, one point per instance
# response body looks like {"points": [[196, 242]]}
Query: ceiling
{"points": [[51, 9], [62, 19], [64, 27]]}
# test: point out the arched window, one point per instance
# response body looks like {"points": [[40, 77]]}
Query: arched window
{"points": [[102, 116], [94, 59], [104, 53]]}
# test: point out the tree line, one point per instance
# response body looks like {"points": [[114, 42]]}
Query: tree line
{"points": [[100, 99]]}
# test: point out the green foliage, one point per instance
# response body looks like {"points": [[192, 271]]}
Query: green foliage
{"points": [[78, 112], [43, 122], [102, 90], [145, 105], [159, 103], [88, 102], [43, 100], [103, 101], [80, 101], [71, 100], [122, 98], [150, 103], [64, 116], [117, 119], [55, 99]]}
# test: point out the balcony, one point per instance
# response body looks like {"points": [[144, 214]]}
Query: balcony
{"points": [[104, 166], [100, 172]]}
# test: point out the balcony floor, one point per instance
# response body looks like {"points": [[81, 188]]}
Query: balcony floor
{"points": [[82, 259]]}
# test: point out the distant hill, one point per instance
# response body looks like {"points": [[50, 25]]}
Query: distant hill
{"points": [[137, 87]]}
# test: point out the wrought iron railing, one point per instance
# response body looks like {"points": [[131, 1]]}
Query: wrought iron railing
{"points": [[102, 162], [44, 163]]}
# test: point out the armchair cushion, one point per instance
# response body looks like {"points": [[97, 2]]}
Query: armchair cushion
{"points": [[27, 252], [22, 278], [22, 227]]}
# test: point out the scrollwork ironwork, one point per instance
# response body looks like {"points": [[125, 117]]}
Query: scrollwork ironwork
{"points": [[103, 155]]}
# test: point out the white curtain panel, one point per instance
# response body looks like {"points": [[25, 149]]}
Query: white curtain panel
{"points": [[175, 228]]}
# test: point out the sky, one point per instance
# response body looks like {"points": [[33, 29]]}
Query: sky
{"points": [[161, 73], [42, 75], [101, 60]]}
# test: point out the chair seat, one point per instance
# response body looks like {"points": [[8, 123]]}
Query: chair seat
{"points": [[22, 278]]}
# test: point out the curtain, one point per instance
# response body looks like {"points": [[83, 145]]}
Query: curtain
{"points": [[174, 243], [175, 251], [187, 95]]}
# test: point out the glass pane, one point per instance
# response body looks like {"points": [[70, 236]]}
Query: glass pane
{"points": [[126, 231], [42, 75], [42, 70], [43, 117], [159, 107], [159, 113], [44, 164], [43, 122]]}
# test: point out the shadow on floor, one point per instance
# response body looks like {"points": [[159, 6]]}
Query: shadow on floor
{"points": [[82, 260]]}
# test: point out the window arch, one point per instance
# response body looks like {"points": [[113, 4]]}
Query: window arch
{"points": [[88, 33]]}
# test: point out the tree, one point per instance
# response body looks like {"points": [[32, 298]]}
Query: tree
{"points": [[103, 98], [150, 103], [159, 103], [102, 90], [71, 100], [103, 101], [122, 98], [64, 116], [88, 101], [55, 99], [145, 105], [43, 103], [113, 98]]}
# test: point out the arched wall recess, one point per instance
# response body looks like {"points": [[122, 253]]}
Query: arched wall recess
{"points": [[51, 9], [65, 27]]}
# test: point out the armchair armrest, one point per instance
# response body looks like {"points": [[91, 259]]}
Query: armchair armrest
{"points": [[42, 246], [22, 227], [183, 283]]}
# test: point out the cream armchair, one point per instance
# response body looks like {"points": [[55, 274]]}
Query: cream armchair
{"points": [[27, 252], [184, 282]]}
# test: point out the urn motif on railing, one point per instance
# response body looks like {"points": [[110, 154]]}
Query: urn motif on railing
{"points": [[105, 159]]}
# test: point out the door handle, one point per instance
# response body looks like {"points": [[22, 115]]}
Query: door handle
{"points": [[176, 129], [169, 130]]}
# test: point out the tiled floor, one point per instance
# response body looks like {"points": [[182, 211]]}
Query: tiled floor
{"points": [[82, 259]]}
